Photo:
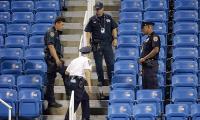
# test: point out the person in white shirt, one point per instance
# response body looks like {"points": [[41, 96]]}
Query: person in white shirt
{"points": [[79, 71]]}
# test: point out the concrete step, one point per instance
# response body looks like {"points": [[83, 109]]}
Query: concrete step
{"points": [[61, 117], [70, 40]]}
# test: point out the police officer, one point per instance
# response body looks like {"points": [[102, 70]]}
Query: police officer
{"points": [[101, 34], [53, 55], [149, 57], [79, 71]]}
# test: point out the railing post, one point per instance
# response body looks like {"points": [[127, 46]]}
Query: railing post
{"points": [[9, 109]]}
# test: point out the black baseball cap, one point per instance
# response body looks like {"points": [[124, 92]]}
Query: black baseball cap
{"points": [[85, 50], [147, 23], [98, 5]]}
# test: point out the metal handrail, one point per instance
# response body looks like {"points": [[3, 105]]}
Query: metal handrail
{"points": [[9, 108]]}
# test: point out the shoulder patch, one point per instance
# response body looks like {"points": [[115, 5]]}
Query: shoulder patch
{"points": [[155, 38], [107, 20], [52, 34]]}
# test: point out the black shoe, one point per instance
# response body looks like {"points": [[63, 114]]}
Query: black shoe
{"points": [[55, 105]]}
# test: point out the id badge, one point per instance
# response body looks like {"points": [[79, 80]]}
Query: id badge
{"points": [[73, 81], [102, 30]]}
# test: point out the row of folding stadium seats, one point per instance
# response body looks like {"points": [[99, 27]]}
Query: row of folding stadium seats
{"points": [[19, 54], [126, 111], [27, 17], [24, 29], [29, 5], [20, 41], [17, 67], [30, 81], [25, 104]]}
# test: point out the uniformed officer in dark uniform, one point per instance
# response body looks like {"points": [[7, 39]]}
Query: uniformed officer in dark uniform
{"points": [[79, 73], [101, 34], [53, 55], [149, 57]]}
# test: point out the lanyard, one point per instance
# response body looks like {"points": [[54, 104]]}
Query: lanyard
{"points": [[104, 22]]}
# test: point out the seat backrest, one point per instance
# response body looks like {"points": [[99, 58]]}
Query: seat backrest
{"points": [[144, 110], [22, 17], [22, 6], [128, 41], [185, 40], [8, 95], [1, 41], [129, 28], [184, 80], [36, 41], [117, 109], [12, 53], [185, 28], [7, 81], [2, 29], [126, 17], [195, 110], [155, 16], [47, 5], [173, 110], [127, 54], [149, 95], [11, 67], [186, 15], [18, 29], [35, 67], [126, 67], [185, 53], [16, 41], [155, 5], [45, 17], [40, 29], [4, 17], [34, 54], [126, 78], [29, 94], [29, 81], [130, 5], [160, 28], [185, 66], [4, 5], [186, 5], [122, 96]]}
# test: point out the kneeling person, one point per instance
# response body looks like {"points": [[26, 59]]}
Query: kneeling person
{"points": [[79, 71]]}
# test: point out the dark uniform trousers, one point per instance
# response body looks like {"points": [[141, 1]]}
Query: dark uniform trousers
{"points": [[149, 74], [105, 51], [52, 69], [80, 95]]}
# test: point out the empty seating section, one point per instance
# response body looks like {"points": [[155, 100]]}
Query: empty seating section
{"points": [[22, 67]]}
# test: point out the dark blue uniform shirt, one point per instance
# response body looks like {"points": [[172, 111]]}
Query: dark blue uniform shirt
{"points": [[149, 44]]}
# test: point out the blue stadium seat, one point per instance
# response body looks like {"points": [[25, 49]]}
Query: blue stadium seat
{"points": [[126, 67], [185, 41], [35, 67], [185, 66], [4, 5], [22, 6], [155, 5], [155, 16], [18, 29], [162, 54], [129, 29], [130, 17], [161, 67], [22, 17], [186, 5], [47, 5], [119, 111], [127, 54], [124, 81], [186, 15], [4, 17], [34, 54], [160, 28], [128, 41], [29, 98], [2, 29], [45, 17], [185, 28], [177, 112], [144, 112], [10, 97], [195, 111], [130, 5], [40, 29], [16, 41], [184, 80], [162, 40], [184, 95], [150, 97], [185, 53], [122, 96], [7, 81], [1, 41], [11, 67], [12, 54], [29, 81], [36, 41]]}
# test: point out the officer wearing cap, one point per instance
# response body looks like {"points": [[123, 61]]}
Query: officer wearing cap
{"points": [[79, 71], [101, 35], [53, 55], [149, 56]]}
